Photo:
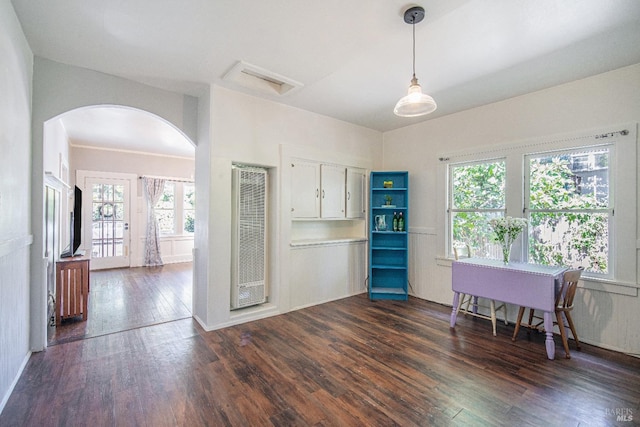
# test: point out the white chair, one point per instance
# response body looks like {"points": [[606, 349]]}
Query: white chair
{"points": [[468, 304]]}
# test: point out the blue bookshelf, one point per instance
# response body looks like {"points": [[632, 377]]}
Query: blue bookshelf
{"points": [[388, 249]]}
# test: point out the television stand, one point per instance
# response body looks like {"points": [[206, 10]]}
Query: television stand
{"points": [[72, 287]]}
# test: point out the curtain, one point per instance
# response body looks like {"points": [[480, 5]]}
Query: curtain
{"points": [[153, 189]]}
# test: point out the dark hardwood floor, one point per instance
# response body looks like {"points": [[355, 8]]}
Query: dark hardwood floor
{"points": [[350, 362], [128, 298]]}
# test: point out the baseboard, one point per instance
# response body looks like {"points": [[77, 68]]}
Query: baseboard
{"points": [[5, 398]]}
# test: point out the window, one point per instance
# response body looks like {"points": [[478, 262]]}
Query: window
{"points": [[189, 208], [175, 210], [579, 192], [569, 208], [477, 194]]}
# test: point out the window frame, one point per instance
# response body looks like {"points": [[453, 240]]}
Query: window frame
{"points": [[451, 210], [610, 210], [624, 193], [178, 209]]}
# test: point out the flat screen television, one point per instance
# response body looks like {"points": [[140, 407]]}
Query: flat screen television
{"points": [[75, 226]]}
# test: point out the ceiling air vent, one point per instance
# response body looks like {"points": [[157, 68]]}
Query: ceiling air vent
{"points": [[256, 78]]}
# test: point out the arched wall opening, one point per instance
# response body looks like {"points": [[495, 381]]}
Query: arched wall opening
{"points": [[93, 147]]}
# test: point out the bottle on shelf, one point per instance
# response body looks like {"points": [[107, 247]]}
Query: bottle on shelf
{"points": [[395, 221], [400, 222]]}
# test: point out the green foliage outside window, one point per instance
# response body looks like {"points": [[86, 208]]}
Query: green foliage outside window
{"points": [[569, 218], [568, 208], [478, 196], [189, 206]]}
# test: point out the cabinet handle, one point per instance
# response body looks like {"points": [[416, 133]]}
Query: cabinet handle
{"points": [[317, 193], [348, 195], [323, 194]]}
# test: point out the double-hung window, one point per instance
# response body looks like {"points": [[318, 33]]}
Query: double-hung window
{"points": [[577, 191], [477, 194], [570, 208], [175, 210]]}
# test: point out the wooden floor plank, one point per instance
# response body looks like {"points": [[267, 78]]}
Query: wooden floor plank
{"points": [[350, 362]]}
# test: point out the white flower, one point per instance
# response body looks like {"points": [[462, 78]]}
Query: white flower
{"points": [[507, 229]]}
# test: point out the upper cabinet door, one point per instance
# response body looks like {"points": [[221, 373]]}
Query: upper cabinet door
{"points": [[305, 189], [356, 182], [332, 191]]}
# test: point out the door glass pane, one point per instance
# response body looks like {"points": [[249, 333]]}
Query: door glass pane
{"points": [[108, 220]]}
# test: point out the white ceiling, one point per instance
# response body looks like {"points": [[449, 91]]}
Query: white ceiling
{"points": [[125, 129], [353, 57]]}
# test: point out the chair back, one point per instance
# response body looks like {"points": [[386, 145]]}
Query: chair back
{"points": [[459, 252], [564, 298]]}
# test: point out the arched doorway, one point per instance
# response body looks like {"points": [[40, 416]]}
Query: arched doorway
{"points": [[103, 150]]}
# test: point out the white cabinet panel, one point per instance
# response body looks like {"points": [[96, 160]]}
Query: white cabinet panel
{"points": [[332, 180], [356, 182], [305, 189]]}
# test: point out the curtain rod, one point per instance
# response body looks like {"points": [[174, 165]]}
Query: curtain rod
{"points": [[545, 140], [166, 178]]}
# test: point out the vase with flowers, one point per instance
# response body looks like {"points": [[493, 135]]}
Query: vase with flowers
{"points": [[506, 232]]}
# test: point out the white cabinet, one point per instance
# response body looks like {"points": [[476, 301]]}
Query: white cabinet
{"points": [[332, 189], [356, 183], [324, 191], [305, 189]]}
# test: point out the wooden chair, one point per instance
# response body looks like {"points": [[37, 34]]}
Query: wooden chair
{"points": [[564, 305], [468, 304]]}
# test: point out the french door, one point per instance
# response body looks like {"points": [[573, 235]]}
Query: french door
{"points": [[106, 221]]}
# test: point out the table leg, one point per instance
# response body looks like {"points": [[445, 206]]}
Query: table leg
{"points": [[548, 329], [492, 303], [454, 311]]}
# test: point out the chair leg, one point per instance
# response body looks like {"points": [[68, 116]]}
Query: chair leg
{"points": [[515, 332], [573, 329], [504, 310], [563, 334], [492, 304], [531, 312]]}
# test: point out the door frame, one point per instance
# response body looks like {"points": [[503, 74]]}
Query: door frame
{"points": [[134, 208]]}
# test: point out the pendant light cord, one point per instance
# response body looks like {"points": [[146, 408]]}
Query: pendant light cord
{"points": [[413, 24]]}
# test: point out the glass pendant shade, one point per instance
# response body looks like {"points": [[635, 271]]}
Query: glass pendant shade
{"points": [[415, 103]]}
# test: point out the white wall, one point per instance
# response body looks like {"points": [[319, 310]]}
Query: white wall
{"points": [[173, 248], [253, 131], [15, 224], [606, 315], [57, 89]]}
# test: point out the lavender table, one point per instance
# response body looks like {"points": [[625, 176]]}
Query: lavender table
{"points": [[527, 285]]}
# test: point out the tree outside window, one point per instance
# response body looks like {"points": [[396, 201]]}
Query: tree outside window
{"points": [[188, 208], [569, 209], [477, 194], [175, 210]]}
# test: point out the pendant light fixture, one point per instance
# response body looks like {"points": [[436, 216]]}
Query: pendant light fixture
{"points": [[415, 103]]}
